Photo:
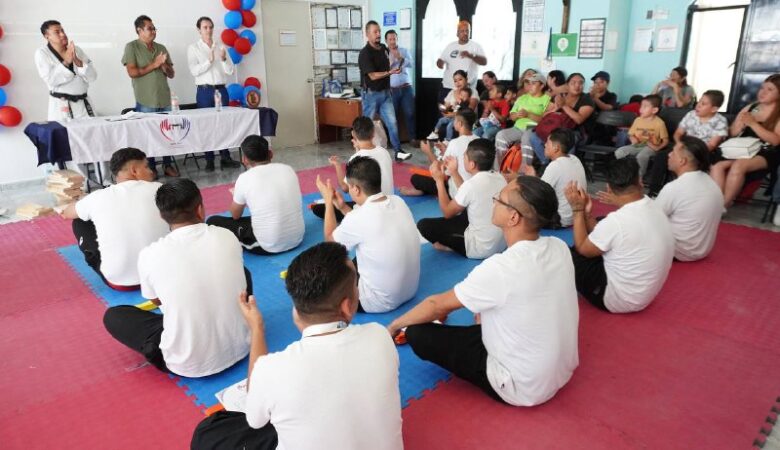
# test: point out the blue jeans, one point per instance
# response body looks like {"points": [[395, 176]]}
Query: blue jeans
{"points": [[148, 109], [403, 100], [447, 122], [204, 98], [487, 131], [382, 102]]}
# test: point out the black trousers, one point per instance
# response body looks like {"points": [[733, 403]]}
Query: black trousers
{"points": [[319, 211], [86, 236], [449, 232], [590, 278], [458, 349], [425, 184], [242, 228], [227, 430], [659, 171], [141, 330]]}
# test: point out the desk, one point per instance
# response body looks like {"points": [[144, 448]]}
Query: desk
{"points": [[95, 139], [334, 114]]}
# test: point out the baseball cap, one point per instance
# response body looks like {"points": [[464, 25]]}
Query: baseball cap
{"points": [[601, 74]]}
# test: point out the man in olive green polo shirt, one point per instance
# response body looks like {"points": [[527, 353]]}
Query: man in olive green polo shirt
{"points": [[149, 66]]}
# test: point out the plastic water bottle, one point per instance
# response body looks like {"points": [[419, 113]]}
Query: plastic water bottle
{"points": [[217, 100], [174, 103]]}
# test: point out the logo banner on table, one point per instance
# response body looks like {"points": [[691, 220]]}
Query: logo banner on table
{"points": [[95, 139]]}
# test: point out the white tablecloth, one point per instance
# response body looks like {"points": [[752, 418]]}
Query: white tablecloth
{"points": [[95, 139]]}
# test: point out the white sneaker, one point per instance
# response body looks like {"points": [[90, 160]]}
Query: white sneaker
{"points": [[776, 219], [434, 136], [401, 155]]}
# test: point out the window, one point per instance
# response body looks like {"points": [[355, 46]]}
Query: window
{"points": [[440, 27], [494, 29]]}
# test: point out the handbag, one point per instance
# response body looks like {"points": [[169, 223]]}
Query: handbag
{"points": [[551, 122], [741, 147]]}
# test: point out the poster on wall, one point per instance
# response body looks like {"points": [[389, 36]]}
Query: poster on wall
{"points": [[331, 18], [353, 56], [344, 18], [533, 15], [534, 44], [333, 38], [389, 18], [667, 39], [592, 34], [356, 19], [320, 39], [353, 74], [643, 39], [405, 19], [564, 44], [345, 39], [318, 17], [358, 41]]}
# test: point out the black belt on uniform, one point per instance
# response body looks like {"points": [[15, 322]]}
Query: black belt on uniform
{"points": [[215, 86], [74, 98], [405, 85]]}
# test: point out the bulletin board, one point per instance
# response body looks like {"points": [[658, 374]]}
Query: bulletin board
{"points": [[337, 38]]}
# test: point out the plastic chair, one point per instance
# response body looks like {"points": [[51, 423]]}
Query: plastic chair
{"points": [[595, 156]]}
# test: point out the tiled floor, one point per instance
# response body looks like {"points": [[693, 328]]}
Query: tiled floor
{"points": [[316, 155]]}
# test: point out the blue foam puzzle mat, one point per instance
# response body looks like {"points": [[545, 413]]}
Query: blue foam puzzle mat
{"points": [[440, 271]]}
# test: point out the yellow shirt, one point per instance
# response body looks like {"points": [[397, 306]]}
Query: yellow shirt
{"points": [[645, 128]]}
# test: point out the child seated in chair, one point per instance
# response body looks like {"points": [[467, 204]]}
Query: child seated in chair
{"points": [[648, 134], [494, 118]]}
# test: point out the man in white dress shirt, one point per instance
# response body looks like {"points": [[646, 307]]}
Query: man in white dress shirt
{"points": [[67, 72], [210, 65]]}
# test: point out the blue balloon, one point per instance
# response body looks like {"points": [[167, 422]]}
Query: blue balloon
{"points": [[235, 91], [247, 90], [235, 56], [249, 35], [247, 4], [233, 19], [3, 97]]}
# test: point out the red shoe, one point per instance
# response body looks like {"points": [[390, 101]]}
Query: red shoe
{"points": [[400, 337]]}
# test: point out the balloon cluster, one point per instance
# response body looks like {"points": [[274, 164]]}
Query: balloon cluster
{"points": [[9, 116], [239, 13], [238, 94]]}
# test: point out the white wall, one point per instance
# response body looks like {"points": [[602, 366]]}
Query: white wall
{"points": [[101, 28]]}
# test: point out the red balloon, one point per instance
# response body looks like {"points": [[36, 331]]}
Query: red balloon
{"points": [[234, 103], [233, 5], [242, 46], [5, 75], [252, 81], [249, 18], [10, 116], [229, 37], [1, 32]]}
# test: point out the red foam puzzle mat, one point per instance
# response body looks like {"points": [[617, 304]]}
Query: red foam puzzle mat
{"points": [[697, 369]]}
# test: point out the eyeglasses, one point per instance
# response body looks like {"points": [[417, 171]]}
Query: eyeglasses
{"points": [[496, 199]]}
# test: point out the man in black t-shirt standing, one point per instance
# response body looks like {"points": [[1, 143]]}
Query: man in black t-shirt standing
{"points": [[375, 72]]}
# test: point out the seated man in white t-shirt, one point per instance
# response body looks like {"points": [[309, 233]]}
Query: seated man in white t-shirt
{"points": [[423, 183], [382, 230], [273, 195], [194, 274], [336, 388], [693, 202], [524, 347], [562, 170], [363, 143], [113, 224], [624, 261], [466, 227]]}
